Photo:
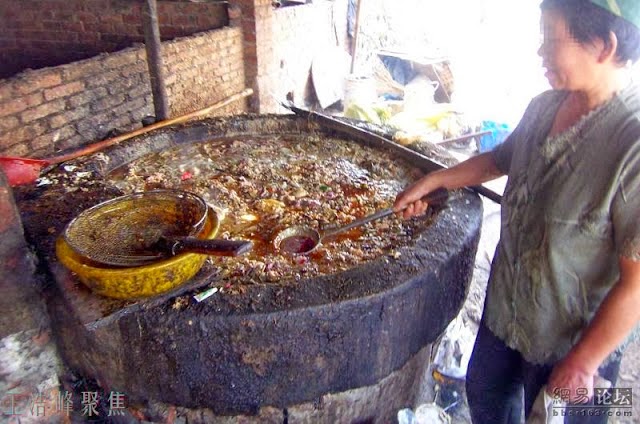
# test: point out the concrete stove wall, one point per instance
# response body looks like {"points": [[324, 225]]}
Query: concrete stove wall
{"points": [[333, 338], [29, 362]]}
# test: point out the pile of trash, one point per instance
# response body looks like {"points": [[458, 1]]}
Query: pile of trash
{"points": [[415, 108], [428, 413], [416, 116], [449, 371]]}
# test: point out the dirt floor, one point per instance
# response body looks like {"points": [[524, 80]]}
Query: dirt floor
{"points": [[630, 369]]}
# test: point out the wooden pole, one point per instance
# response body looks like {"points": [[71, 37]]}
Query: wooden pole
{"points": [[356, 30], [154, 60]]}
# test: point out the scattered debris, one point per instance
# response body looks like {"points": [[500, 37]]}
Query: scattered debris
{"points": [[205, 294], [427, 413]]}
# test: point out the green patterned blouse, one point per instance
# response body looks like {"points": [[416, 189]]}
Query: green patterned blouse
{"points": [[571, 207]]}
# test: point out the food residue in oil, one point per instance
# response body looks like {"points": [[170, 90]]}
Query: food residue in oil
{"points": [[297, 244], [268, 183]]}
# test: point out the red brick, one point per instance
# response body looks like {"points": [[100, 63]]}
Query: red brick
{"points": [[111, 18], [21, 134], [163, 18], [135, 8], [250, 37], [68, 116], [52, 138], [32, 34], [43, 110], [63, 90], [145, 109], [70, 26], [126, 30], [106, 103], [100, 80], [103, 27], [235, 12], [94, 126], [137, 70], [20, 103], [119, 60], [8, 123], [72, 142], [18, 150], [62, 14], [10, 13], [35, 80], [43, 143], [86, 97], [27, 16], [86, 17], [181, 20], [123, 85], [132, 18], [75, 5], [90, 41], [81, 69], [128, 106], [121, 123], [171, 31]]}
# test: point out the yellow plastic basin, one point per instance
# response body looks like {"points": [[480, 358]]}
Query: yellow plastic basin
{"points": [[138, 282]]}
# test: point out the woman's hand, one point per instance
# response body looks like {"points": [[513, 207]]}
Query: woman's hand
{"points": [[571, 381], [615, 318], [473, 171], [408, 203]]}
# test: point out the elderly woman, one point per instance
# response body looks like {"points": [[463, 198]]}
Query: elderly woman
{"points": [[564, 290]]}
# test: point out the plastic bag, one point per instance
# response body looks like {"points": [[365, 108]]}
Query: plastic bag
{"points": [[427, 413], [499, 132]]}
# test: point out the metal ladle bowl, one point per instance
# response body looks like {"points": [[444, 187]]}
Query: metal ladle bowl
{"points": [[302, 240]]}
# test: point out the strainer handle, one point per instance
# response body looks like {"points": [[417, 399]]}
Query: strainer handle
{"points": [[213, 247]]}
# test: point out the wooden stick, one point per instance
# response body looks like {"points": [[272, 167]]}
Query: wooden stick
{"points": [[355, 35], [154, 60]]}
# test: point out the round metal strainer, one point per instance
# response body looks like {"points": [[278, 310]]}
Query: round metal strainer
{"points": [[124, 231]]}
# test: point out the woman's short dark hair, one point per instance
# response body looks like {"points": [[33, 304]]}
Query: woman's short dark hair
{"points": [[588, 22]]}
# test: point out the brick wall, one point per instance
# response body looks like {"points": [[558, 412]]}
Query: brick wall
{"points": [[280, 43], [288, 40], [39, 33], [242, 15], [202, 70], [50, 109]]}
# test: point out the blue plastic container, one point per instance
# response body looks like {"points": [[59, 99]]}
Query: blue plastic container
{"points": [[499, 133]]}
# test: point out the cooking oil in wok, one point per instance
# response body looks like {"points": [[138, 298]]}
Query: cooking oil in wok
{"points": [[297, 244]]}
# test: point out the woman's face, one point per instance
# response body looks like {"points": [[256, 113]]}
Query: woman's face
{"points": [[569, 64]]}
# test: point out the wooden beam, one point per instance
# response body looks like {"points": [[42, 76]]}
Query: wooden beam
{"points": [[356, 30], [154, 60]]}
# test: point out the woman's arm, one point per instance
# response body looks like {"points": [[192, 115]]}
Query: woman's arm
{"points": [[473, 171], [615, 318]]}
